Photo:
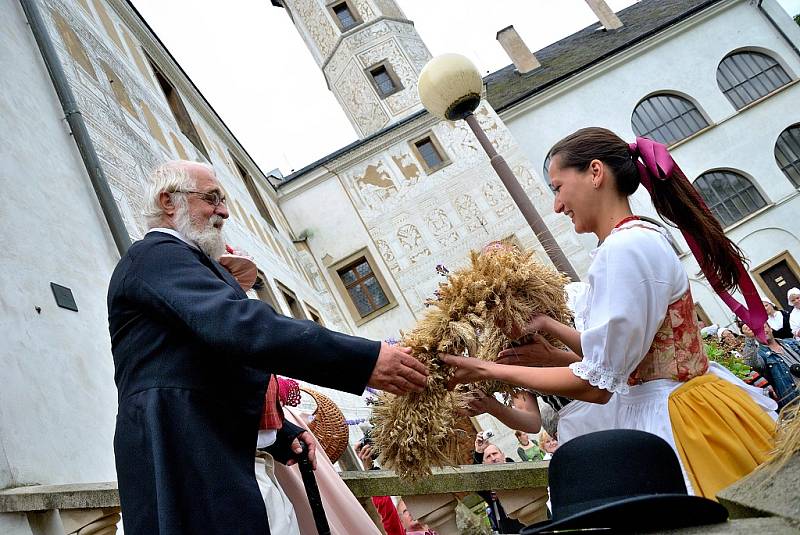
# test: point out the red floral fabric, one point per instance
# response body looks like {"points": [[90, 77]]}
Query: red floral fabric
{"points": [[677, 350]]}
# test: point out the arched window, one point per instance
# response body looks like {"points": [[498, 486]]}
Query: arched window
{"points": [[748, 76], [546, 171], [729, 195], [666, 118], [787, 153]]}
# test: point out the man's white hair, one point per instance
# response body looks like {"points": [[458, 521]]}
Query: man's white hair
{"points": [[168, 177]]}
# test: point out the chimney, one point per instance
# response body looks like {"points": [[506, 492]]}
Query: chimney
{"points": [[517, 50], [608, 18]]}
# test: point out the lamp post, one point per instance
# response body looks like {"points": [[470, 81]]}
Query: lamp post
{"points": [[450, 88]]}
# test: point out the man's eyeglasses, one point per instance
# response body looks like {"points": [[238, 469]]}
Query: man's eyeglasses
{"points": [[214, 198]]}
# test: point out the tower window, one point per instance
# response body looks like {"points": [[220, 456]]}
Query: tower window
{"points": [[429, 153], [346, 17], [384, 79]]}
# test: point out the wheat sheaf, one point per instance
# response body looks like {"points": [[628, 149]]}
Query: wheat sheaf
{"points": [[501, 287]]}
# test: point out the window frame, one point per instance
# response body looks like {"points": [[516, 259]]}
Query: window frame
{"points": [[767, 54], [671, 123], [711, 205], [357, 20], [387, 66], [352, 309], [265, 293], [286, 295], [252, 188], [445, 159], [315, 316], [794, 165], [178, 109]]}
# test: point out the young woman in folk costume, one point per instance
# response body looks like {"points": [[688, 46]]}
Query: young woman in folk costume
{"points": [[641, 339]]}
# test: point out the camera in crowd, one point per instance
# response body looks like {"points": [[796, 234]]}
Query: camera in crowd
{"points": [[485, 435]]}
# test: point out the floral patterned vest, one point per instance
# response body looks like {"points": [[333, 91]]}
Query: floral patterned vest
{"points": [[677, 351]]}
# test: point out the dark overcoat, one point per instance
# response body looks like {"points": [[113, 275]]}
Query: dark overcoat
{"points": [[192, 357]]}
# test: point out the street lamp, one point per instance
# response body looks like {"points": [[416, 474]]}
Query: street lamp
{"points": [[450, 88]]}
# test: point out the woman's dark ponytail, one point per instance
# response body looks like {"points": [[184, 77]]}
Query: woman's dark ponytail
{"points": [[675, 199]]}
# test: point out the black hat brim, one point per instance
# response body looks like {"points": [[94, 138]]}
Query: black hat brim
{"points": [[639, 514]]}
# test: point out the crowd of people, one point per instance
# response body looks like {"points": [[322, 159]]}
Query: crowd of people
{"points": [[195, 358]]}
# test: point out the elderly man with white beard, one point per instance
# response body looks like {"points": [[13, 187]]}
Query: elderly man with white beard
{"points": [[193, 356]]}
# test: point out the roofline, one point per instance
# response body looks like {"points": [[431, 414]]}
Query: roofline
{"points": [[352, 146], [200, 93], [603, 57], [355, 144]]}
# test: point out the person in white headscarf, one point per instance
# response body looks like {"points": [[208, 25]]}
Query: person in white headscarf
{"points": [[793, 296]]}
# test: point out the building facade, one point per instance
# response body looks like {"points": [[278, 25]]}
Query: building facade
{"points": [[353, 240]]}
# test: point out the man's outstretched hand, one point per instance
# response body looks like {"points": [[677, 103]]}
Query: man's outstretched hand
{"points": [[397, 372]]}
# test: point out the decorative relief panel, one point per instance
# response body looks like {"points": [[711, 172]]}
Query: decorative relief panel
{"points": [[365, 10], [470, 213], [416, 51], [408, 167], [389, 8], [360, 101], [388, 255], [498, 198], [316, 27], [441, 227], [411, 240], [495, 130], [374, 185]]}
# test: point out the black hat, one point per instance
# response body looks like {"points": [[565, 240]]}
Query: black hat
{"points": [[624, 481]]}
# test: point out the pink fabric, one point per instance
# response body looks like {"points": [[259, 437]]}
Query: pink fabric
{"points": [[655, 163], [344, 512], [288, 392], [677, 350]]}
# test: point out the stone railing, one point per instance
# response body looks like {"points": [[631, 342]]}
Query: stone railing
{"points": [[768, 501], [82, 509], [521, 488]]}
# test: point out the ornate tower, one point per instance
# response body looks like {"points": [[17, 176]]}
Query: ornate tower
{"points": [[370, 53]]}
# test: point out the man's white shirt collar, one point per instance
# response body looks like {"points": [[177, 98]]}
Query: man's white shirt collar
{"points": [[173, 232]]}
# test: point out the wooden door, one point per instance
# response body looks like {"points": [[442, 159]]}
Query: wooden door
{"points": [[779, 278]]}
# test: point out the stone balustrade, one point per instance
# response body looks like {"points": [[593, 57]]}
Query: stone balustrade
{"points": [[80, 509], [771, 496], [521, 488]]}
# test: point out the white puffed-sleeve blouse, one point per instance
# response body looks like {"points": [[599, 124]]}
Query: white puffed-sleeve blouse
{"points": [[634, 277]]}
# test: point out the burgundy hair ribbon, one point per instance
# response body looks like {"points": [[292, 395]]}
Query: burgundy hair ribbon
{"points": [[655, 163]]}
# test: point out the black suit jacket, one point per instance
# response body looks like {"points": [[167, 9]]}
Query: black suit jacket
{"points": [[192, 357]]}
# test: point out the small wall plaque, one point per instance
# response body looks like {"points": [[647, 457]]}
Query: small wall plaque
{"points": [[63, 296]]}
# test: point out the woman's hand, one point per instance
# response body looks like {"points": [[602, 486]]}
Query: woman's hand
{"points": [[467, 369], [536, 323], [537, 353], [480, 403]]}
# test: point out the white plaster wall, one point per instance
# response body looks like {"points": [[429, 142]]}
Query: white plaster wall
{"points": [[57, 394], [686, 62], [337, 230]]}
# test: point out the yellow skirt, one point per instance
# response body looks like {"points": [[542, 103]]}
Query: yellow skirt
{"points": [[720, 433]]}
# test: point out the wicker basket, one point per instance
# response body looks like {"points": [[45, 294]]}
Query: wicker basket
{"points": [[328, 425]]}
